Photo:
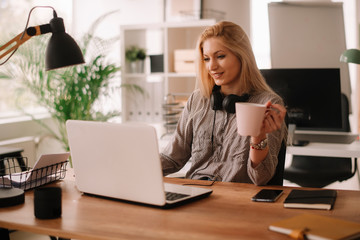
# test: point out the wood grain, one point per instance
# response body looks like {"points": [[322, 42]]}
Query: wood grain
{"points": [[228, 213]]}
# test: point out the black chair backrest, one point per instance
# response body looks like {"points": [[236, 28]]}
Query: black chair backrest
{"points": [[278, 178], [345, 113]]}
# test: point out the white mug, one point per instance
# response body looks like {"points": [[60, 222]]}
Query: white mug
{"points": [[249, 118]]}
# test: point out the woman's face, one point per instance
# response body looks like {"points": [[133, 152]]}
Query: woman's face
{"points": [[222, 64]]}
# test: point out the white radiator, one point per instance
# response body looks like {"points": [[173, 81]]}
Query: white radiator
{"points": [[28, 144]]}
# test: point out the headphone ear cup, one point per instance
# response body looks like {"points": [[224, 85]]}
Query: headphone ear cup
{"points": [[230, 100], [229, 103], [216, 100]]}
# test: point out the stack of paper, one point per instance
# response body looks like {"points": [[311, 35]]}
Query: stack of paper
{"points": [[43, 172]]}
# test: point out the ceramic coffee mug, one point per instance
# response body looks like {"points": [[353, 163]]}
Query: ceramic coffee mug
{"points": [[249, 118]]}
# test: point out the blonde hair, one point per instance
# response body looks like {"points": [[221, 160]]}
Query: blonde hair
{"points": [[235, 39]]}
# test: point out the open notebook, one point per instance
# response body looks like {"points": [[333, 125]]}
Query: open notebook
{"points": [[122, 161]]}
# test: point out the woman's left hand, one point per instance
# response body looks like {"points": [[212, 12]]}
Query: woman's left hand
{"points": [[273, 120], [274, 117]]}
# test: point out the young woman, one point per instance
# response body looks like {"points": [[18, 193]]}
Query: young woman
{"points": [[206, 133]]}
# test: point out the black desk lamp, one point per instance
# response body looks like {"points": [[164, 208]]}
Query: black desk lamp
{"points": [[61, 51]]}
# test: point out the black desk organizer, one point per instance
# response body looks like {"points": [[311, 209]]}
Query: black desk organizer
{"points": [[12, 174]]}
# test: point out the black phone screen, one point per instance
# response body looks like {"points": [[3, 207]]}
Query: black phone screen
{"points": [[267, 195]]}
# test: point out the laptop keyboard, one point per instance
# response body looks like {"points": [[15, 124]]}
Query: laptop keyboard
{"points": [[171, 196]]}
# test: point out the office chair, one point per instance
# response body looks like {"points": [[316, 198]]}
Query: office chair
{"points": [[278, 177], [314, 171]]}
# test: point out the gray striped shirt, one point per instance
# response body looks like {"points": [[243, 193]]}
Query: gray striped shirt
{"points": [[226, 158]]}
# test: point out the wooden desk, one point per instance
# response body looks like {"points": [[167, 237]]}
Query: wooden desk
{"points": [[227, 214]]}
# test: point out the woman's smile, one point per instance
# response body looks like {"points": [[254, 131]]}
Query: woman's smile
{"points": [[217, 75]]}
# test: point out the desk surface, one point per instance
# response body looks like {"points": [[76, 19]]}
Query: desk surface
{"points": [[327, 150], [227, 214]]}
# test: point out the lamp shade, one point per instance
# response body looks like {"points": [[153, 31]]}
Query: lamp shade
{"points": [[62, 50], [351, 56]]}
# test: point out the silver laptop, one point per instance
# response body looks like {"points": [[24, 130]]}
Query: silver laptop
{"points": [[122, 161]]}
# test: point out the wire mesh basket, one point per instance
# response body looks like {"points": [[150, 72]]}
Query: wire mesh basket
{"points": [[14, 174], [172, 109]]}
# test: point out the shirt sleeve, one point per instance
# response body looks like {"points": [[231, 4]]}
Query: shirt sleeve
{"points": [[178, 150], [262, 173]]}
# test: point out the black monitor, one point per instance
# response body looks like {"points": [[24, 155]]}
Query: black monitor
{"points": [[312, 96]]}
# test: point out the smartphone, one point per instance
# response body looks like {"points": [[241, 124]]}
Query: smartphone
{"points": [[267, 195]]}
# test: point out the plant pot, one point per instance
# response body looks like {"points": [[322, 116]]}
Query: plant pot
{"points": [[136, 67]]}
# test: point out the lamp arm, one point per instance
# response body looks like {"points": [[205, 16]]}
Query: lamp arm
{"points": [[23, 37]]}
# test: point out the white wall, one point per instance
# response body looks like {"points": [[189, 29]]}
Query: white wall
{"points": [[145, 11], [237, 11], [129, 12]]}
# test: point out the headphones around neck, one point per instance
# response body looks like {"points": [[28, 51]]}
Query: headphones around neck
{"points": [[218, 102]]}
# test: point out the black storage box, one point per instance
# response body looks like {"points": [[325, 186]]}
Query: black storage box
{"points": [[157, 63]]}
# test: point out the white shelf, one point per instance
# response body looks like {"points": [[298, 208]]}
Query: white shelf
{"points": [[180, 75], [327, 150], [158, 39], [182, 24], [142, 75], [172, 75]]}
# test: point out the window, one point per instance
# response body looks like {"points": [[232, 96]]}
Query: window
{"points": [[260, 32], [13, 100]]}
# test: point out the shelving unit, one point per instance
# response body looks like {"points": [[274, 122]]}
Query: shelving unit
{"points": [[158, 39]]}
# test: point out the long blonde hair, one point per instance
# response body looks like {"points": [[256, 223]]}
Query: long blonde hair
{"points": [[235, 39]]}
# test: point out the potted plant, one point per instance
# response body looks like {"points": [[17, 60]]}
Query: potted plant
{"points": [[135, 56]]}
